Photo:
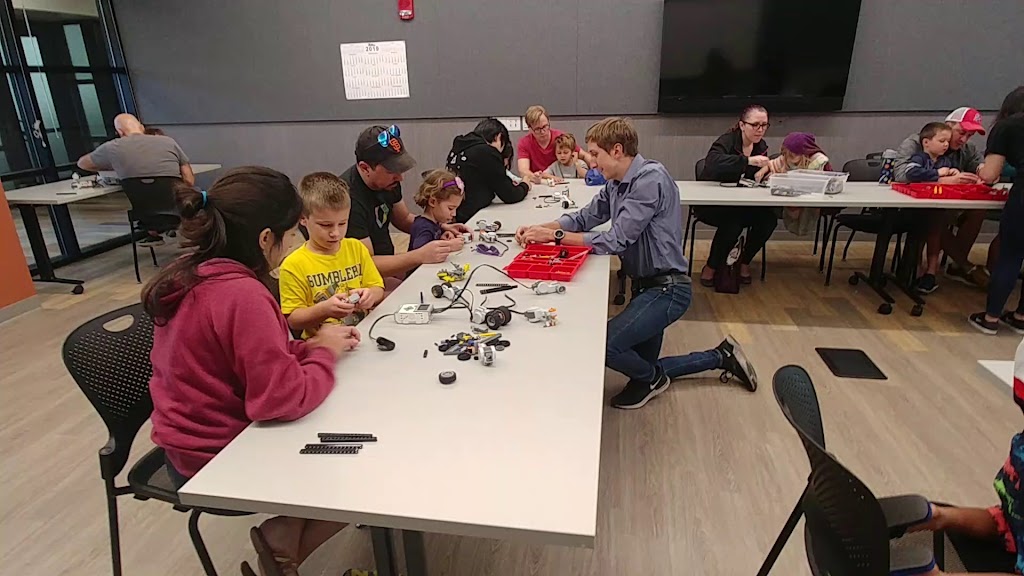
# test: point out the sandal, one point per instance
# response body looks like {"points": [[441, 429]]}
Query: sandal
{"points": [[271, 565], [746, 279]]}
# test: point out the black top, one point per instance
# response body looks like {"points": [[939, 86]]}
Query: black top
{"points": [[726, 162], [1007, 139], [482, 170], [371, 212]]}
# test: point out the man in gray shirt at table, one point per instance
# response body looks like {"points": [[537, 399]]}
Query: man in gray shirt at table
{"points": [[136, 154], [642, 203]]}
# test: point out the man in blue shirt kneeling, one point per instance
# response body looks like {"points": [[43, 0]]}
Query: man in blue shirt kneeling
{"points": [[642, 202]]}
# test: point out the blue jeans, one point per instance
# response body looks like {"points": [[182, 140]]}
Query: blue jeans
{"points": [[1006, 269], [635, 336]]}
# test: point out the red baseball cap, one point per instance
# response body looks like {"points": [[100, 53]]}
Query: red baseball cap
{"points": [[969, 118]]}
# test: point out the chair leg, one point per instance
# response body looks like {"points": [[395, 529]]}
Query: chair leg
{"points": [[764, 261], [832, 253], [817, 235], [783, 537], [693, 239], [135, 250], [153, 254], [830, 221], [115, 532], [686, 229], [848, 242], [200, 546], [896, 255]]}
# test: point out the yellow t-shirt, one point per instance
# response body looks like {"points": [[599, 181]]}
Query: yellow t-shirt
{"points": [[308, 278]]}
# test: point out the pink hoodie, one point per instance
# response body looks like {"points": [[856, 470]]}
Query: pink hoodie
{"points": [[224, 360]]}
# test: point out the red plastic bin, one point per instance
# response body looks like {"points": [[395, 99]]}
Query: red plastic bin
{"points": [[937, 191], [541, 262]]}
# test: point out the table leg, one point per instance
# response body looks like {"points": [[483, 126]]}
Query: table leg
{"points": [[415, 553], [44, 267], [64, 229], [875, 279], [383, 552]]}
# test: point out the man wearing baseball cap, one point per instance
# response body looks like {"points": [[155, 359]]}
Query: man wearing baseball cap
{"points": [[375, 187], [965, 122]]}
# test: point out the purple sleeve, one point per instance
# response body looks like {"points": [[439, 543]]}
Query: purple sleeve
{"points": [[423, 232]]}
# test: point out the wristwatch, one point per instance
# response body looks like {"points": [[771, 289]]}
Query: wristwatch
{"points": [[559, 235]]}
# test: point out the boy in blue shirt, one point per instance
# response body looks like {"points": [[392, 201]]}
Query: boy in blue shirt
{"points": [[642, 203], [931, 163]]}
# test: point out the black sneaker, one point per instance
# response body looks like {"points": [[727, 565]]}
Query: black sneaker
{"points": [[982, 325], [735, 363], [151, 241], [926, 284], [637, 393], [1014, 324]]}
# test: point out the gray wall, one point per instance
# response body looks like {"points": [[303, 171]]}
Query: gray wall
{"points": [[238, 83], [278, 60]]}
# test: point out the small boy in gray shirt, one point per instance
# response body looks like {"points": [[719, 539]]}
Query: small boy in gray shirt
{"points": [[568, 165]]}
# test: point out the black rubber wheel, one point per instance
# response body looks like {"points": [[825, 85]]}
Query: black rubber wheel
{"points": [[917, 310], [619, 299], [78, 289], [885, 308], [854, 280], [436, 291]]}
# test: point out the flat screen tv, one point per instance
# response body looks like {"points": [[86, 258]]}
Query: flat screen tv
{"points": [[787, 55]]}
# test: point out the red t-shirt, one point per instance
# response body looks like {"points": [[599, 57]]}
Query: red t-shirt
{"points": [[540, 158]]}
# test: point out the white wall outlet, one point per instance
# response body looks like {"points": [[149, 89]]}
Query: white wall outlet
{"points": [[513, 123]]}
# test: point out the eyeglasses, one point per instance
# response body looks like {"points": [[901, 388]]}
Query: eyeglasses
{"points": [[386, 137], [758, 126], [541, 128]]}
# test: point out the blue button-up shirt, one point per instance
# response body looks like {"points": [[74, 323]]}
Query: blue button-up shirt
{"points": [[646, 221]]}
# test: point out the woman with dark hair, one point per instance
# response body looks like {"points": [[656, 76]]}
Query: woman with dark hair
{"points": [[739, 153], [1006, 146], [480, 160], [221, 354]]}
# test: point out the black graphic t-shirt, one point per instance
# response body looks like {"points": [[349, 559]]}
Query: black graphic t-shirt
{"points": [[371, 212]]}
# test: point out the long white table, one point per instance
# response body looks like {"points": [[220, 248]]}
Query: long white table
{"points": [[509, 451], [56, 196]]}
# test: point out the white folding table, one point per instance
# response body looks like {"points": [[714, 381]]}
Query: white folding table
{"points": [[509, 451], [56, 196]]}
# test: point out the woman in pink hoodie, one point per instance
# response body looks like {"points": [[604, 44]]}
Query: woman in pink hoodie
{"points": [[221, 354]]}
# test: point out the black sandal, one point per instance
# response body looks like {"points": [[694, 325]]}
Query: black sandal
{"points": [[704, 281]]}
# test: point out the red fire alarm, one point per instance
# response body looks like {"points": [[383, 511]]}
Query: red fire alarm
{"points": [[405, 9]]}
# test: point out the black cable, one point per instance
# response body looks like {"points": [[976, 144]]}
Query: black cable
{"points": [[470, 277], [369, 333]]}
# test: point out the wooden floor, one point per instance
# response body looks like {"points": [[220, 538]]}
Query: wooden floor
{"points": [[697, 482]]}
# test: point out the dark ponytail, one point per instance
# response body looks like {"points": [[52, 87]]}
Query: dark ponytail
{"points": [[1013, 104], [746, 112], [225, 222]]}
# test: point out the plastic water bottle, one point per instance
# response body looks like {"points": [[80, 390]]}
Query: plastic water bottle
{"points": [[888, 163]]}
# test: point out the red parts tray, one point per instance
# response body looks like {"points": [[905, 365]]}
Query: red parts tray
{"points": [[541, 262], [937, 191]]}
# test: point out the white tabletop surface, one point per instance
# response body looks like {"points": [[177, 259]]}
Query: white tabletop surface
{"points": [[854, 195], [56, 193], [1001, 369], [508, 451]]}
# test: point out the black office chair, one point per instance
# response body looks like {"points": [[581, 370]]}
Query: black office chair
{"points": [[867, 170], [153, 208], [690, 229], [113, 369], [798, 400]]}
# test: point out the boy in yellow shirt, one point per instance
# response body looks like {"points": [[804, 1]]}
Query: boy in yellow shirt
{"points": [[318, 279]]}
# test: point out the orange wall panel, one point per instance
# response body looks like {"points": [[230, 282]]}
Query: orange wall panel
{"points": [[17, 283]]}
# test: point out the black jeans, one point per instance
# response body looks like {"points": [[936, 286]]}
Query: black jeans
{"points": [[1011, 255], [730, 222]]}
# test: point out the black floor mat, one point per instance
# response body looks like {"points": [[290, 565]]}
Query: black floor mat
{"points": [[850, 363]]}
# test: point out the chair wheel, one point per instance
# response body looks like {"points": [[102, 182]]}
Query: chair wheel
{"points": [[885, 308], [854, 280], [78, 289], [619, 299], [917, 310]]}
